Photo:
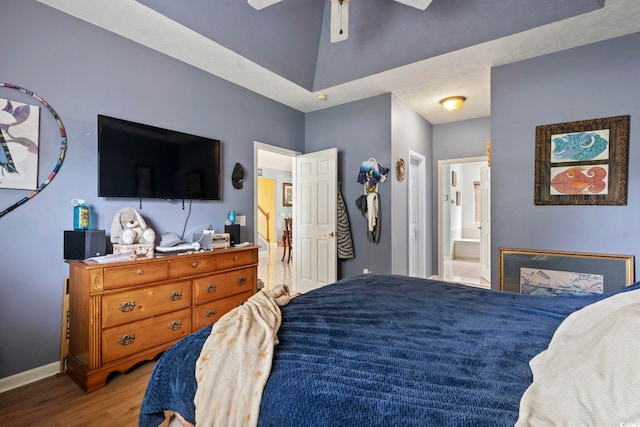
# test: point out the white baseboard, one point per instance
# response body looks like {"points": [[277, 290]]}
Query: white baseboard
{"points": [[27, 377]]}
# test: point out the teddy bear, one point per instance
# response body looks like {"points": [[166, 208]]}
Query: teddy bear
{"points": [[129, 228]]}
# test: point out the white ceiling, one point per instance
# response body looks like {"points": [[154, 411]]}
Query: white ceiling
{"points": [[421, 84]]}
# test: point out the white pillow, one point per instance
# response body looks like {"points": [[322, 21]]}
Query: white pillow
{"points": [[590, 373]]}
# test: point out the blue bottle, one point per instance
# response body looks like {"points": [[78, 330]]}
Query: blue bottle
{"points": [[231, 217], [80, 215]]}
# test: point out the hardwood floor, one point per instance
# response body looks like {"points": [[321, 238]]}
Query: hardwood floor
{"points": [[58, 401]]}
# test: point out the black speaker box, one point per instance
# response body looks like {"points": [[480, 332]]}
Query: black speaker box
{"points": [[84, 244], [234, 233]]}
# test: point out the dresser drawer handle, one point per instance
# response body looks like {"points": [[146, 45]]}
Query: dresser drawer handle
{"points": [[175, 325], [242, 281], [210, 288], [127, 339], [194, 264], [140, 272], [175, 296], [127, 306], [235, 258], [211, 313]]}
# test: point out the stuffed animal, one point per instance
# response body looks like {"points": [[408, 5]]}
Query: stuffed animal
{"points": [[128, 228]]}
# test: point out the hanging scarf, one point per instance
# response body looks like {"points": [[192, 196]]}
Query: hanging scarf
{"points": [[371, 173], [343, 230]]}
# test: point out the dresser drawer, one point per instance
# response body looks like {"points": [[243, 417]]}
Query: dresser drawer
{"points": [[124, 276], [131, 338], [191, 266], [222, 285], [236, 259], [210, 312], [132, 305]]}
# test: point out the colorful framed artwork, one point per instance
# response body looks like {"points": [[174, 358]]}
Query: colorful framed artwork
{"points": [[19, 135], [582, 163], [4, 159], [552, 273], [287, 194]]}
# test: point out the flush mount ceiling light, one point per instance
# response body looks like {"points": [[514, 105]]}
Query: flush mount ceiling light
{"points": [[321, 96], [453, 103]]}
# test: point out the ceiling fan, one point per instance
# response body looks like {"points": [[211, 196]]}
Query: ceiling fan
{"points": [[340, 14]]}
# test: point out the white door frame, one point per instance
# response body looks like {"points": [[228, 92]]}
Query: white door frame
{"points": [[441, 164], [274, 149], [485, 223], [417, 227]]}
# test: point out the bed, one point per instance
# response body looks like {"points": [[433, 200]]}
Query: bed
{"points": [[394, 351]]}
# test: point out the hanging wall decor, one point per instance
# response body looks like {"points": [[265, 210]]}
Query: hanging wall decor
{"points": [[371, 173], [287, 194], [7, 140], [400, 170], [19, 131], [582, 163]]}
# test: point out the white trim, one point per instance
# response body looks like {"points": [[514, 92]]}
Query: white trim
{"points": [[30, 376], [441, 164], [257, 145], [421, 220]]}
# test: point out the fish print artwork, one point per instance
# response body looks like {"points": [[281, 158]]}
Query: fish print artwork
{"points": [[580, 146], [579, 180]]}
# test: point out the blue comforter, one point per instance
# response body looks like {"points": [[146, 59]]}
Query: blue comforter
{"points": [[387, 351]]}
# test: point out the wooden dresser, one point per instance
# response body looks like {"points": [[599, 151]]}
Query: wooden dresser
{"points": [[123, 313]]}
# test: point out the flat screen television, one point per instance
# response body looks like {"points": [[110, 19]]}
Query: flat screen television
{"points": [[142, 161]]}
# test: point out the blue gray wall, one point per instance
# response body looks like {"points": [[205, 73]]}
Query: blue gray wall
{"points": [[455, 140], [360, 130], [409, 131], [598, 80], [393, 35], [83, 71], [385, 128], [292, 39]]}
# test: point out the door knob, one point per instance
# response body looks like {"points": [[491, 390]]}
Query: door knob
{"points": [[330, 234]]}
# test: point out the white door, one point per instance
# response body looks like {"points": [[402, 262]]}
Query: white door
{"points": [[485, 223], [314, 230], [416, 250]]}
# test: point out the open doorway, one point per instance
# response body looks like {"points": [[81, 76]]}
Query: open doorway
{"points": [[462, 212], [273, 173]]}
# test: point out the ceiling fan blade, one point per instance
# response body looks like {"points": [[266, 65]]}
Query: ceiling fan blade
{"points": [[339, 20], [261, 4], [418, 4]]}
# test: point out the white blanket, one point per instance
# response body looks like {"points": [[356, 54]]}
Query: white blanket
{"points": [[235, 361], [590, 373]]}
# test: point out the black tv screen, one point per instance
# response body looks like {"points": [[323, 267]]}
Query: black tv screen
{"points": [[142, 161]]}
